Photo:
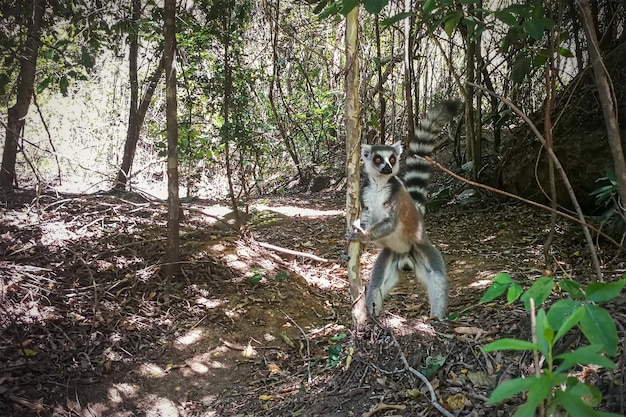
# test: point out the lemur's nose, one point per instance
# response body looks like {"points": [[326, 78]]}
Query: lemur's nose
{"points": [[386, 169]]}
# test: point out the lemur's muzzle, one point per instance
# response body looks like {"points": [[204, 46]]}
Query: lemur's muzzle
{"points": [[386, 169]]}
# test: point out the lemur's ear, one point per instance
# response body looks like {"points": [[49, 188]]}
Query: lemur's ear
{"points": [[398, 147], [366, 150]]}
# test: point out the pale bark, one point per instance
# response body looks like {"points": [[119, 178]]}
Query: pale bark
{"points": [[353, 137], [172, 250]]}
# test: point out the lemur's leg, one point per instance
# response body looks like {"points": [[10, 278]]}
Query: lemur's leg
{"points": [[385, 276], [430, 269]]}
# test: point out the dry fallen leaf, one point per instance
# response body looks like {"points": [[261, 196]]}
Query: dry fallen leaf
{"points": [[273, 368], [456, 402], [482, 379], [249, 352]]}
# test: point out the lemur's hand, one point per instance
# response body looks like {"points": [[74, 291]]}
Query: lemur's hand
{"points": [[357, 233]]}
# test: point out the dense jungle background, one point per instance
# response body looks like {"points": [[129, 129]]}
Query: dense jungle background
{"points": [[177, 177]]}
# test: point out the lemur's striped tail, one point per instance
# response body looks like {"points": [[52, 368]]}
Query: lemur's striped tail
{"points": [[417, 174]]}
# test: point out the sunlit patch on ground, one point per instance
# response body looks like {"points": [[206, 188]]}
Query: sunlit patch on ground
{"points": [[293, 211]]}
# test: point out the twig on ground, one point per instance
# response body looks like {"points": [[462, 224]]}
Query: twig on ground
{"points": [[383, 407], [407, 367], [291, 252], [308, 344]]}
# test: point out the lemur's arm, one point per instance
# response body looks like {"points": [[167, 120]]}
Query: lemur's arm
{"points": [[374, 232]]}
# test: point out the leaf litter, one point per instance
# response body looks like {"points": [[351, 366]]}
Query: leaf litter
{"points": [[90, 326]]}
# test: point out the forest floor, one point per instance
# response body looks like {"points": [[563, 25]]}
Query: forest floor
{"points": [[89, 326]]}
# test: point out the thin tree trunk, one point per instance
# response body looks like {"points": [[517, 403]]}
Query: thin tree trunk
{"points": [[226, 129], [353, 138], [477, 148], [470, 112], [130, 146], [381, 97], [275, 80], [549, 103], [408, 73], [172, 250], [25, 88], [608, 102], [132, 134]]}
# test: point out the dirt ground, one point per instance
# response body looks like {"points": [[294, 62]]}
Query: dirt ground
{"points": [[261, 325]]}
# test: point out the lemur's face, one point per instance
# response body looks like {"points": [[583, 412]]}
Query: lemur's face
{"points": [[381, 160]]}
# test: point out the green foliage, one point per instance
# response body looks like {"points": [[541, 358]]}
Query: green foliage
{"points": [[331, 8], [607, 199], [555, 386], [334, 349], [70, 42], [433, 365]]}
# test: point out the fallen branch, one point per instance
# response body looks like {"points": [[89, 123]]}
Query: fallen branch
{"points": [[292, 252], [383, 407]]}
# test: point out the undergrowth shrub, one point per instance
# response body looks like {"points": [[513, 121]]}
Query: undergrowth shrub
{"points": [[554, 387]]}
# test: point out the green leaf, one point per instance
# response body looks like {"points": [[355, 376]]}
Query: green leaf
{"points": [[566, 53], [506, 17], [254, 279], [452, 21], [433, 365], [586, 355], [500, 284], [601, 292], [331, 10], [537, 25], [429, 6], [571, 287], [570, 319], [515, 290], [590, 394], [282, 276], [523, 10], [509, 344], [396, 18], [561, 310], [337, 338], [598, 327], [493, 292], [545, 333], [574, 405], [347, 6], [510, 388], [63, 85], [539, 291], [537, 392], [374, 6], [320, 6], [503, 278], [41, 87], [520, 69]]}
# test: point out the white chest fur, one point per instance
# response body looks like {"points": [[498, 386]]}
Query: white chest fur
{"points": [[375, 202]]}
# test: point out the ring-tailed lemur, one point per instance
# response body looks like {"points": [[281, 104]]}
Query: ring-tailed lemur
{"points": [[392, 214]]}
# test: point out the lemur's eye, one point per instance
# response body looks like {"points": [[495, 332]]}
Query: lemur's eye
{"points": [[392, 160], [378, 159]]}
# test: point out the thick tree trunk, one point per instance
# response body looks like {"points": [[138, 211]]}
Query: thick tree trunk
{"points": [[172, 250], [353, 138], [25, 88]]}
